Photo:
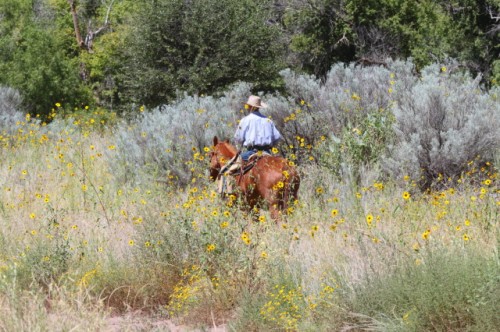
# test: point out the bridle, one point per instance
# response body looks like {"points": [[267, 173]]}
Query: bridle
{"points": [[222, 169]]}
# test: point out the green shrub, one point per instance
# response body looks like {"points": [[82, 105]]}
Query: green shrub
{"points": [[43, 78], [447, 291], [356, 146]]}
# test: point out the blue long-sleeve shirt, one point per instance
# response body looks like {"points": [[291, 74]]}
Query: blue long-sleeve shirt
{"points": [[256, 129]]}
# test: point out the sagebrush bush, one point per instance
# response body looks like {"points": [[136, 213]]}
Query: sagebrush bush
{"points": [[344, 121], [352, 101], [425, 126], [324, 109], [10, 108], [347, 94], [443, 121], [162, 140]]}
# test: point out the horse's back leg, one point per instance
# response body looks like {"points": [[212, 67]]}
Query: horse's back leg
{"points": [[290, 193]]}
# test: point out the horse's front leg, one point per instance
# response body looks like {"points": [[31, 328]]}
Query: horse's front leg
{"points": [[275, 211]]}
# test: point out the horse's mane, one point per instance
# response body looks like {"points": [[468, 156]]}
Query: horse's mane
{"points": [[226, 149]]}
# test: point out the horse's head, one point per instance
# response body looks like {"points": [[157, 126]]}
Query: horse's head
{"points": [[222, 152]]}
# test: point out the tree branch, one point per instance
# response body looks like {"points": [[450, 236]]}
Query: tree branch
{"points": [[91, 34], [343, 40], [495, 16]]}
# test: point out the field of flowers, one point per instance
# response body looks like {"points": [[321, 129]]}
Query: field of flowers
{"points": [[101, 217]]}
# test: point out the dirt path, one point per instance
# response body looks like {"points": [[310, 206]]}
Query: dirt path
{"points": [[138, 323]]}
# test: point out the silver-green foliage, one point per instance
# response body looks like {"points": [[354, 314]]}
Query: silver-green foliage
{"points": [[443, 120], [163, 140], [10, 105], [343, 99], [350, 108], [350, 97], [423, 124]]}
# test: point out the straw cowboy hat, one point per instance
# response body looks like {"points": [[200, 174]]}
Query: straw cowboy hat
{"points": [[255, 101]]}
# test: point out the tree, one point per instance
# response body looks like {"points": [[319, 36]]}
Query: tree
{"points": [[34, 61], [431, 31], [321, 34], [201, 47]]}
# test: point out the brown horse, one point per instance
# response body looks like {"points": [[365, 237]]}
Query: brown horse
{"points": [[272, 181]]}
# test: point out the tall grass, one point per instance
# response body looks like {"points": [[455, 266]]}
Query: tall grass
{"points": [[457, 289]]}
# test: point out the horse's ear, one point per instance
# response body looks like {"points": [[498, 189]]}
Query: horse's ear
{"points": [[216, 140]]}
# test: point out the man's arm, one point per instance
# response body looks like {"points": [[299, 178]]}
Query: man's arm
{"points": [[239, 135], [276, 135]]}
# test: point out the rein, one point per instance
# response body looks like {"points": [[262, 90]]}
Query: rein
{"points": [[245, 167], [229, 164]]}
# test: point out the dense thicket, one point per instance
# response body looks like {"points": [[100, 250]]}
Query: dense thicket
{"points": [[117, 53]]}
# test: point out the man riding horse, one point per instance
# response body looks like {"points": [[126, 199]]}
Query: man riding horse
{"points": [[256, 133], [269, 179]]}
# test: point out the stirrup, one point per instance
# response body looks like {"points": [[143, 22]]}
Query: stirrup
{"points": [[226, 185]]}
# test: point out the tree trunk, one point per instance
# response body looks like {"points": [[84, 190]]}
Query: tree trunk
{"points": [[78, 35]]}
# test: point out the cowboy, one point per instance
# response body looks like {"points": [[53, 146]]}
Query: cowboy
{"points": [[255, 131]]}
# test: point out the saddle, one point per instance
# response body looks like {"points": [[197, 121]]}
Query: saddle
{"points": [[236, 166]]}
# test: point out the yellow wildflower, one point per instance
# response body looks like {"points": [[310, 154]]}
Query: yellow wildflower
{"points": [[369, 219], [245, 237]]}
